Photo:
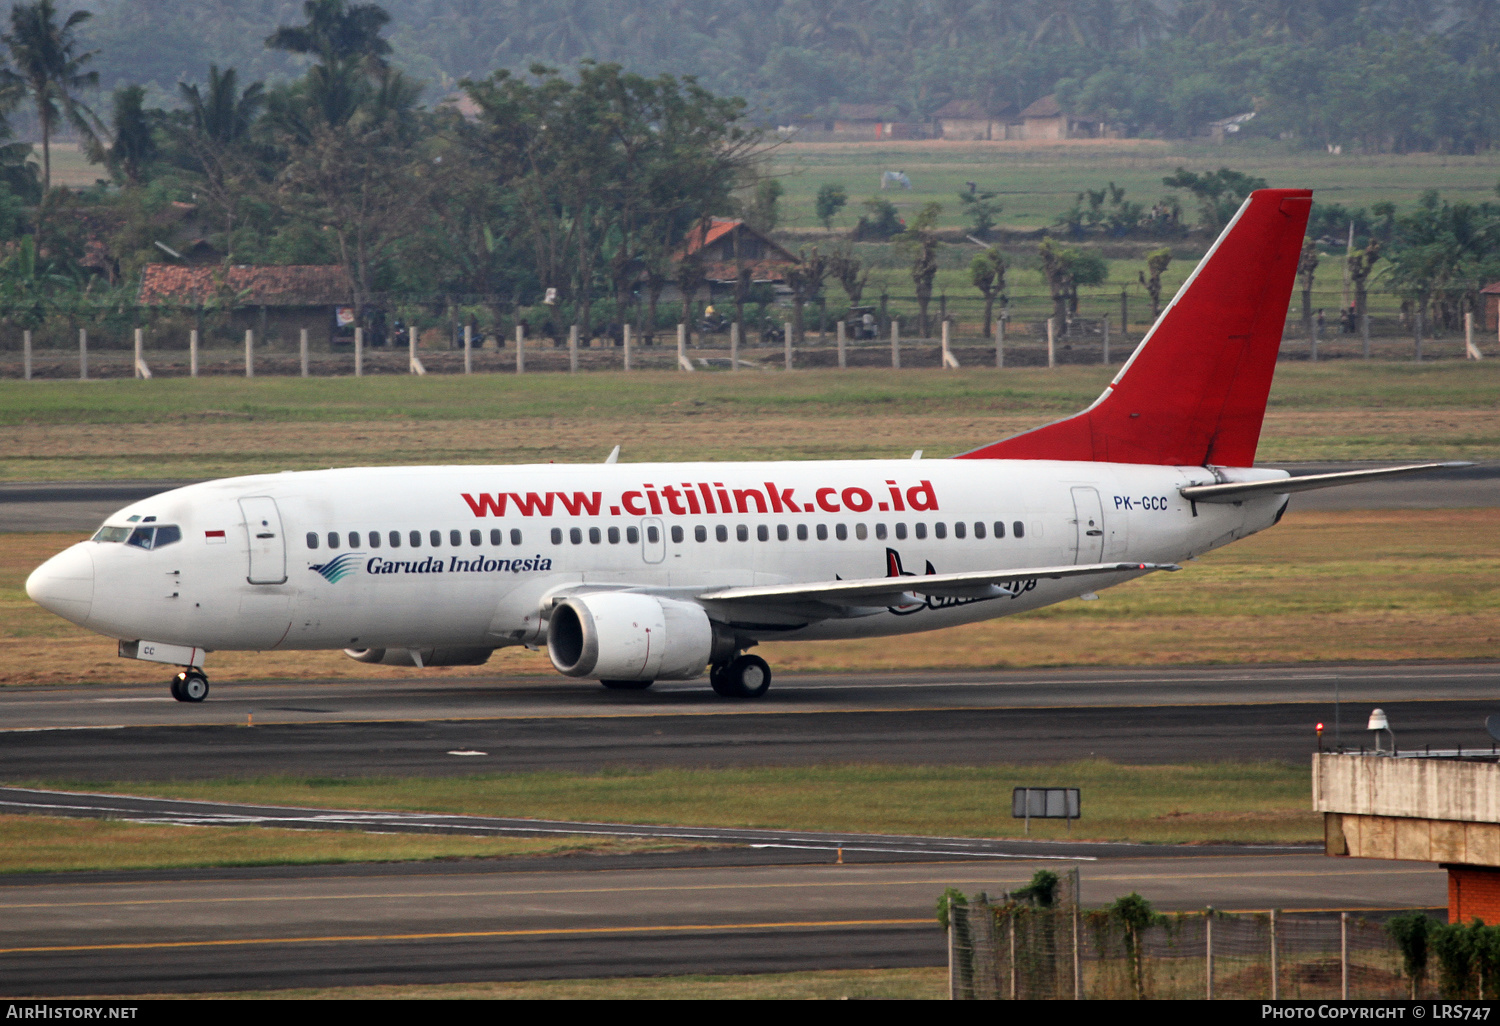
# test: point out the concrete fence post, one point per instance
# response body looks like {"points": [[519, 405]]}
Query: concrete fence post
{"points": [[250, 352], [786, 333], [141, 370], [1000, 341], [302, 351], [1470, 349], [681, 345], [625, 331], [1364, 331], [1419, 325], [26, 350], [1344, 956], [468, 349], [843, 360], [1051, 342], [520, 349], [1208, 954], [1275, 981], [572, 349], [83, 354], [359, 352], [895, 344], [734, 346], [193, 353], [1104, 341]]}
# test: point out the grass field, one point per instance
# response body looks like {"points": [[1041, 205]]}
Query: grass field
{"points": [[1260, 802], [42, 844], [1363, 585], [929, 984], [1037, 181], [180, 428]]}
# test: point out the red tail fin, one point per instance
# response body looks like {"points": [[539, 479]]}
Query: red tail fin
{"points": [[1195, 391]]}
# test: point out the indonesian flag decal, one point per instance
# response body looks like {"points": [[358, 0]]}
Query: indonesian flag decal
{"points": [[214, 537]]}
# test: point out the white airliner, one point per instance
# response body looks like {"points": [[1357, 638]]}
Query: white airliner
{"points": [[632, 573]]}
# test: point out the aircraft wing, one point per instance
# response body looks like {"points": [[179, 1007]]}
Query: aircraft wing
{"points": [[1239, 491], [880, 592]]}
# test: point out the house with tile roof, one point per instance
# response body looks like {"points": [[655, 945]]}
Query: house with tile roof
{"points": [[725, 246], [1046, 119], [276, 301], [970, 119]]}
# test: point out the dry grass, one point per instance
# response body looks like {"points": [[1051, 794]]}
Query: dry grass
{"points": [[1262, 802], [928, 984], [1356, 585], [42, 844]]}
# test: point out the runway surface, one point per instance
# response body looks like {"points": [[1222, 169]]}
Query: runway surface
{"points": [[477, 725], [585, 916], [82, 506]]}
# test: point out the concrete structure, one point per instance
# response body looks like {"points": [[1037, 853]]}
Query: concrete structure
{"points": [[1440, 808]]}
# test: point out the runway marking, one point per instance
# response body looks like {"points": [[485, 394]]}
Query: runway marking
{"points": [[466, 935], [668, 712], [533, 892]]}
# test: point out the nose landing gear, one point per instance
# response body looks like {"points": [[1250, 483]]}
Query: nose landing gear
{"points": [[747, 676], [191, 685]]}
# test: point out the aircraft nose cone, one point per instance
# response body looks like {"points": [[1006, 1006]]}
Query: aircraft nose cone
{"points": [[65, 584]]}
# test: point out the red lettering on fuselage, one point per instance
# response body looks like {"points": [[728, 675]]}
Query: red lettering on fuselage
{"points": [[684, 501], [487, 504]]}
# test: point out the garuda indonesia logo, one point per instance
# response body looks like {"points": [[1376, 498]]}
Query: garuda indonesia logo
{"points": [[339, 567]]}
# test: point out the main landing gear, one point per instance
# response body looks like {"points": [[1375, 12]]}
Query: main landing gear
{"points": [[191, 685], [747, 676]]}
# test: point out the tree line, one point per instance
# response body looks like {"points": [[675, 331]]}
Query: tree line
{"points": [[1372, 74]]}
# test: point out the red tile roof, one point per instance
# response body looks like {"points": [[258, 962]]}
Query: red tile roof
{"points": [[292, 285], [971, 109], [1046, 107], [1491, 290]]}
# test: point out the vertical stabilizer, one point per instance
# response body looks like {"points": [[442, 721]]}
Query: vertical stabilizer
{"points": [[1195, 391]]}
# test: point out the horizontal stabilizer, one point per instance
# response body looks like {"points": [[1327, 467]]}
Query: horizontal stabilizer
{"points": [[1238, 492], [895, 591]]}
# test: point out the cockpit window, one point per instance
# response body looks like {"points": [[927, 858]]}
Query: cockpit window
{"points": [[153, 537], [112, 534]]}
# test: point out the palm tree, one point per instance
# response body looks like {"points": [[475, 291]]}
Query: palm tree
{"points": [[48, 67], [336, 33], [225, 114]]}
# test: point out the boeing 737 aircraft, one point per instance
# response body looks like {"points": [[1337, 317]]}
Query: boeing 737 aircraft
{"points": [[633, 573]]}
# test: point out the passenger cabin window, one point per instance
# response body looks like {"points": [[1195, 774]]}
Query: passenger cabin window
{"points": [[653, 535], [822, 532], [455, 538], [940, 529], [475, 538], [312, 539], [557, 536], [721, 532], [880, 531], [395, 539], [841, 532], [515, 536], [333, 539], [762, 533], [354, 539], [435, 539], [374, 539], [900, 532], [781, 532], [496, 536], [594, 536], [921, 530], [742, 532], [614, 536], [415, 537], [979, 528], [633, 535], [700, 533], [1019, 528], [860, 532], [999, 529], [802, 532], [115, 534], [575, 536], [960, 529], [676, 535]]}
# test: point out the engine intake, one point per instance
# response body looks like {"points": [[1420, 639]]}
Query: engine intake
{"points": [[628, 636]]}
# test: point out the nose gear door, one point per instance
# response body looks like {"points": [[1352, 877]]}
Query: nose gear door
{"points": [[267, 546], [1089, 547]]}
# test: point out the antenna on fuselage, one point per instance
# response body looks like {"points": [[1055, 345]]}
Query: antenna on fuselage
{"points": [[916, 454], [614, 455]]}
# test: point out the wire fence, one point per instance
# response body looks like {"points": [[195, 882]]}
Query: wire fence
{"points": [[453, 336], [1013, 951]]}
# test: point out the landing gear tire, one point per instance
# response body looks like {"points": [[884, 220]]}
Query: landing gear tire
{"points": [[746, 677], [190, 686], [627, 685]]}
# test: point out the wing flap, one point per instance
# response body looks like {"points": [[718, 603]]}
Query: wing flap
{"points": [[1239, 491], [891, 591]]}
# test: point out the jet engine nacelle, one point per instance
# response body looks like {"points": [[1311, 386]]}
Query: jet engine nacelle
{"points": [[628, 636], [421, 656]]}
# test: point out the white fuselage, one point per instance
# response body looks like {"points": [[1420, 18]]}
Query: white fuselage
{"points": [[467, 556]]}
